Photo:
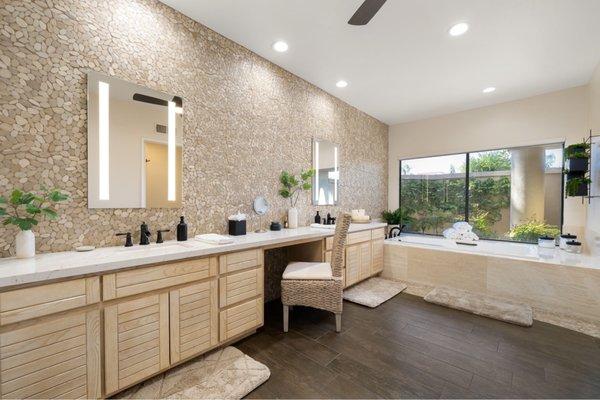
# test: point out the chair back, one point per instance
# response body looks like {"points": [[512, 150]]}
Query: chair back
{"points": [[342, 224]]}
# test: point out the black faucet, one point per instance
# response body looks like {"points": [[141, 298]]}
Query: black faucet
{"points": [[128, 242], [159, 238], [144, 234], [393, 234]]}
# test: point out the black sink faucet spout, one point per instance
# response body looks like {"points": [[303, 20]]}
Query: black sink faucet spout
{"points": [[144, 234]]}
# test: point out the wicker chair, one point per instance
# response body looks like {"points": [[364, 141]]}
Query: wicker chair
{"points": [[316, 284]]}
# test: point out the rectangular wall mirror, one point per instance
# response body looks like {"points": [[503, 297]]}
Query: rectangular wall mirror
{"points": [[135, 145], [327, 173]]}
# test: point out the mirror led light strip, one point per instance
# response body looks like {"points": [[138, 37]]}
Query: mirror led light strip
{"points": [[103, 141], [336, 173], [316, 161], [171, 152]]}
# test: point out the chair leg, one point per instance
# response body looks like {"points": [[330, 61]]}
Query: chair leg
{"points": [[338, 322], [286, 317]]}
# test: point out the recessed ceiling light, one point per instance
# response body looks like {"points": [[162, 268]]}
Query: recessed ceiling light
{"points": [[341, 84], [489, 89], [459, 29], [280, 46]]}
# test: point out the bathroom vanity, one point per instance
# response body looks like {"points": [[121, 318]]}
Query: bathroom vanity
{"points": [[92, 324]]}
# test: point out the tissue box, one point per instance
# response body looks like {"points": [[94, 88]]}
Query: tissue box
{"points": [[237, 228]]}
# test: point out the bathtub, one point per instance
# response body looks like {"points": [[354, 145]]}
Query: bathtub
{"points": [[562, 288]]}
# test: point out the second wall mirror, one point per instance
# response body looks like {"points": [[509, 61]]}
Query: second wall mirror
{"points": [[327, 173]]}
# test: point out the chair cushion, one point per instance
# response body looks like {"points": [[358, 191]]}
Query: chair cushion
{"points": [[308, 270]]}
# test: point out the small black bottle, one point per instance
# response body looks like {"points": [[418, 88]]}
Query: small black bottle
{"points": [[317, 218], [328, 219], [181, 231]]}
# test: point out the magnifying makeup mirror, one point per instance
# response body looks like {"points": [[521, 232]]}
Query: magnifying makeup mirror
{"points": [[261, 206]]}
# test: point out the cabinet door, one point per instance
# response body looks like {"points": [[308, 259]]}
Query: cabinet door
{"points": [[365, 260], [194, 319], [377, 263], [136, 340], [352, 264], [57, 358]]}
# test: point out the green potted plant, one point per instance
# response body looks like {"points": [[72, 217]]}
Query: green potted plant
{"points": [[397, 217], [291, 187], [577, 186], [577, 157], [23, 209]]}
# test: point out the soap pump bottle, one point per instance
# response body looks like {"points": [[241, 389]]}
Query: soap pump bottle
{"points": [[317, 218], [181, 230]]}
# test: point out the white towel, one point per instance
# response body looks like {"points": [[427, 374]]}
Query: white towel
{"points": [[321, 226], [213, 238]]}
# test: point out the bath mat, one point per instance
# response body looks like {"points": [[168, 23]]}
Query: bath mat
{"points": [[373, 292], [222, 374], [480, 304]]}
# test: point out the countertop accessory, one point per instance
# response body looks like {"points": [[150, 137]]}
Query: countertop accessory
{"points": [[213, 238], [546, 242], [317, 218], [322, 226], [144, 234], [275, 226], [359, 217], [564, 239], [181, 230], [237, 224], [261, 206], [573, 246], [291, 187], [159, 238], [128, 241], [82, 249]]}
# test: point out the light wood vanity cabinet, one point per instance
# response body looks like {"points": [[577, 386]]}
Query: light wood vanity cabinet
{"points": [[363, 255]]}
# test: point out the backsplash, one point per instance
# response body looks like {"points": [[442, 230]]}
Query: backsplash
{"points": [[245, 119]]}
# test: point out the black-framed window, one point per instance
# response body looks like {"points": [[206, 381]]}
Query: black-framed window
{"points": [[511, 194]]}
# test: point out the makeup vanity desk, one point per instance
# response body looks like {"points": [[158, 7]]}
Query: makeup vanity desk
{"points": [[92, 324]]}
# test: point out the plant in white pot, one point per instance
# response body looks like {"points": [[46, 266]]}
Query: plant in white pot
{"points": [[291, 187], [23, 210]]}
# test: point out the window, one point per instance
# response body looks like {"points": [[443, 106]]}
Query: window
{"points": [[507, 194]]}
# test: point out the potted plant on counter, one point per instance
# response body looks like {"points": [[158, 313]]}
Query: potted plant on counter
{"points": [[23, 210], [291, 187]]}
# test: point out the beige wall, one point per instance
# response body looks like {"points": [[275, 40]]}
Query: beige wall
{"points": [[552, 117], [245, 119], [593, 219]]}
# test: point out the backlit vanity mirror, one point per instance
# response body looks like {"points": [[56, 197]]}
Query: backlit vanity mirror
{"points": [[327, 173], [135, 145]]}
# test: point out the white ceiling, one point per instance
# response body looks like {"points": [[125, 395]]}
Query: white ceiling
{"points": [[403, 65]]}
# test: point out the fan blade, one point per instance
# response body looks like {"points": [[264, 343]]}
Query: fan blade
{"points": [[366, 11]]}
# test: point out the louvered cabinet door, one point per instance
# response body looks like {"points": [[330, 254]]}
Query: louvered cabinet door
{"points": [[352, 264], [194, 319], [377, 263], [56, 358], [365, 260], [136, 340]]}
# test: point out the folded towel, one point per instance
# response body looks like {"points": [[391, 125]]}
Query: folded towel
{"points": [[213, 238], [321, 226]]}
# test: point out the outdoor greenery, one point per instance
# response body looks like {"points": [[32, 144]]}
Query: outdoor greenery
{"points": [[23, 209], [435, 204], [531, 230], [292, 186]]}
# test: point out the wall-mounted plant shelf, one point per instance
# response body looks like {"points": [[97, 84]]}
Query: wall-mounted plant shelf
{"points": [[578, 163]]}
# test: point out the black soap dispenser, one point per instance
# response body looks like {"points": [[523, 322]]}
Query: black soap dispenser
{"points": [[181, 230], [317, 218]]}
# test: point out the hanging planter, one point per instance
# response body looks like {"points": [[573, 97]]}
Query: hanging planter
{"points": [[577, 159], [578, 186]]}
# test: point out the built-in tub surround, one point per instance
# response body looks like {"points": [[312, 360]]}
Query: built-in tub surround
{"points": [[562, 288], [245, 119]]}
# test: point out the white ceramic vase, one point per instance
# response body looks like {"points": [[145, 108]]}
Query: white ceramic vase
{"points": [[293, 218], [25, 243]]}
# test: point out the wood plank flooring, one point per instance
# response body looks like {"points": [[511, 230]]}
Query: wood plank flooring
{"points": [[407, 348]]}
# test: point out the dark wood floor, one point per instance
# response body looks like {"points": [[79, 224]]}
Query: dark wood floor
{"points": [[407, 348]]}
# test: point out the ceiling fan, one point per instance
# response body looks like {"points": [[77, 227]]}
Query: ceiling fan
{"points": [[365, 12]]}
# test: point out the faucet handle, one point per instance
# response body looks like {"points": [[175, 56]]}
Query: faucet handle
{"points": [[159, 238], [128, 242]]}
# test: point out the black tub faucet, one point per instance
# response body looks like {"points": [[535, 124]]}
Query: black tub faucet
{"points": [[393, 233], [144, 234]]}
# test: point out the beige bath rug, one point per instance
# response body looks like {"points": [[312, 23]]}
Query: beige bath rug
{"points": [[373, 292], [222, 374], [480, 304]]}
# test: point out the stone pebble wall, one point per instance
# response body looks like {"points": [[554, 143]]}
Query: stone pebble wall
{"points": [[245, 119]]}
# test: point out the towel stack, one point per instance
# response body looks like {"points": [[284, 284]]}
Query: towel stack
{"points": [[461, 232]]}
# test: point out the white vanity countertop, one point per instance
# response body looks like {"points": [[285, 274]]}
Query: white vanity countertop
{"points": [[66, 264]]}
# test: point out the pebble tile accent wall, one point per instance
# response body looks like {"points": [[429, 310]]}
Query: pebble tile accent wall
{"points": [[246, 119]]}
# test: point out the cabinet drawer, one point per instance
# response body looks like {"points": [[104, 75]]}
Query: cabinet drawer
{"points": [[141, 280], [22, 304], [241, 318], [240, 260], [58, 358], [358, 237], [136, 336], [240, 286], [194, 321], [378, 233]]}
